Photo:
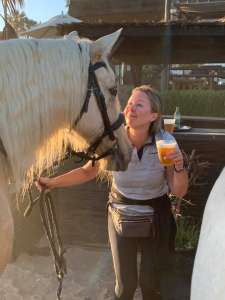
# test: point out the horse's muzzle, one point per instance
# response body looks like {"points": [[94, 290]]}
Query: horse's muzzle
{"points": [[119, 160]]}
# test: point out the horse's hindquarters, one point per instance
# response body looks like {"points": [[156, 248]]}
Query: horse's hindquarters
{"points": [[6, 231], [208, 273]]}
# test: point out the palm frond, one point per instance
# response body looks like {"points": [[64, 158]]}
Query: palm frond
{"points": [[11, 32], [11, 5]]}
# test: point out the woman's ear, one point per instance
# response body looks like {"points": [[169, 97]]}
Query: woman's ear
{"points": [[154, 116]]}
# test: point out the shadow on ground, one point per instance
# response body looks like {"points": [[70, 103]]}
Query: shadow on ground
{"points": [[81, 214]]}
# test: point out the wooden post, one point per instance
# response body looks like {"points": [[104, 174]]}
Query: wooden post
{"points": [[165, 73], [136, 70], [167, 10], [164, 78]]}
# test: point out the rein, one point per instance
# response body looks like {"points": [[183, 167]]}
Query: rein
{"points": [[48, 217], [49, 221]]}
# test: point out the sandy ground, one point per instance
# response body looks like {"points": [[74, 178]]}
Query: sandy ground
{"points": [[89, 277], [82, 219]]}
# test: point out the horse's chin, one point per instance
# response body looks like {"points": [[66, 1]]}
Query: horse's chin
{"points": [[115, 163], [111, 166]]}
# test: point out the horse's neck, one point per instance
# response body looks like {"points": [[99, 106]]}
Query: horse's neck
{"points": [[35, 135]]}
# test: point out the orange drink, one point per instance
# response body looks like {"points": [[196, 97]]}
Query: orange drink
{"points": [[164, 148]]}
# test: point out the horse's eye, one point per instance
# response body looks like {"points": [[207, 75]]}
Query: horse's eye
{"points": [[113, 91]]}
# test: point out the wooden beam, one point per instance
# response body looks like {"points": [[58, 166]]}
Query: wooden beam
{"points": [[175, 43]]}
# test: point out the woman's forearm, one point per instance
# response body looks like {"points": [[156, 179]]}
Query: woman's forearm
{"points": [[74, 177], [180, 183]]}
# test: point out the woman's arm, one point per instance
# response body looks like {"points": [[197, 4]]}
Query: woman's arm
{"points": [[178, 181], [74, 177]]}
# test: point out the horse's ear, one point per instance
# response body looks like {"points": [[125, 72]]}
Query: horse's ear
{"points": [[104, 45], [73, 35]]}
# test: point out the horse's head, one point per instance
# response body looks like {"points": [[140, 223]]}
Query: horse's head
{"points": [[100, 121]]}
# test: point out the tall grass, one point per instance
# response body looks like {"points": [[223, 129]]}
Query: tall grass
{"points": [[195, 102], [187, 234]]}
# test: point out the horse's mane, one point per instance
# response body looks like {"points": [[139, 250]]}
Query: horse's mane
{"points": [[42, 85]]}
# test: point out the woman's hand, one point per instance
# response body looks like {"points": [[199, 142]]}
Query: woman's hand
{"points": [[177, 176], [177, 158], [178, 161], [43, 183]]}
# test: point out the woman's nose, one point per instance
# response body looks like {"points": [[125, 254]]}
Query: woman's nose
{"points": [[130, 108], [133, 108]]}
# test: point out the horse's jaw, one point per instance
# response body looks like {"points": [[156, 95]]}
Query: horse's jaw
{"points": [[118, 161]]}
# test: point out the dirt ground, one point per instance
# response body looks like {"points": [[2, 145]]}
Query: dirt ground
{"points": [[82, 219]]}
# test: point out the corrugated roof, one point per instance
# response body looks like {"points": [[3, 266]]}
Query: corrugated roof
{"points": [[53, 22]]}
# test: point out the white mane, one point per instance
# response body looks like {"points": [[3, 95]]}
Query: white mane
{"points": [[42, 85]]}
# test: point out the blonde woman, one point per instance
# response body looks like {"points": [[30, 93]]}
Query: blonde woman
{"points": [[140, 191]]}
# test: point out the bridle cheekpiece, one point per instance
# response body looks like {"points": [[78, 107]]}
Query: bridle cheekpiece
{"points": [[93, 88]]}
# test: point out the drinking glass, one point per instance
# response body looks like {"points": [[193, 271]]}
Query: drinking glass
{"points": [[165, 145], [169, 125]]}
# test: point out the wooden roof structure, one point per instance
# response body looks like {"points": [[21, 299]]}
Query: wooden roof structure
{"points": [[49, 29], [161, 43], [198, 71], [203, 9], [111, 11]]}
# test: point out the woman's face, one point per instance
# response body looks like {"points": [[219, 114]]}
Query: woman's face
{"points": [[138, 112]]}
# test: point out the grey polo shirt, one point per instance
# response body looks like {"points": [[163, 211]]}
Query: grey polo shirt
{"points": [[144, 179]]}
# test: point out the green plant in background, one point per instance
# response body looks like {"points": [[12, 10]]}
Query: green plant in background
{"points": [[194, 102], [187, 229], [206, 103], [187, 233]]}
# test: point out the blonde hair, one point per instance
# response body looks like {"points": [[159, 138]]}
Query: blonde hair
{"points": [[155, 102]]}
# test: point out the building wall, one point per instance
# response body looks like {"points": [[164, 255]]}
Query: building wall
{"points": [[117, 10]]}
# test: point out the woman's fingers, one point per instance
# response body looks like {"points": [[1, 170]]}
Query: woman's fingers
{"points": [[42, 183], [177, 158]]}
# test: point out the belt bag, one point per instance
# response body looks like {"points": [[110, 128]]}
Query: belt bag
{"points": [[128, 225]]}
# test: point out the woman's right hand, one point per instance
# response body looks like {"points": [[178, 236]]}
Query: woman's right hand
{"points": [[43, 183]]}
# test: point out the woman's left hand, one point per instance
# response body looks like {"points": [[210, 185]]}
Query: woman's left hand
{"points": [[177, 158]]}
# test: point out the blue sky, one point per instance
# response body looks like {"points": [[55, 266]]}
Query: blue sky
{"points": [[41, 10]]}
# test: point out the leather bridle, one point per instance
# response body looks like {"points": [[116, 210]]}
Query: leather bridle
{"points": [[93, 87]]}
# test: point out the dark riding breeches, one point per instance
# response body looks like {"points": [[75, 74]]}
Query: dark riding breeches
{"points": [[155, 265]]}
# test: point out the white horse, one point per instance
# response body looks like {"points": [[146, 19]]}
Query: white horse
{"points": [[208, 279], [43, 86]]}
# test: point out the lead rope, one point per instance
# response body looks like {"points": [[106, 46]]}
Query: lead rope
{"points": [[49, 221], [48, 217]]}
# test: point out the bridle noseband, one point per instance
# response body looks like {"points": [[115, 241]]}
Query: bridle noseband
{"points": [[93, 87]]}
